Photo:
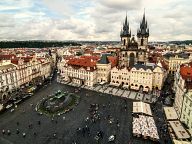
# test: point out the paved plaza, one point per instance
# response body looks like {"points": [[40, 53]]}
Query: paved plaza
{"points": [[149, 98], [62, 129]]}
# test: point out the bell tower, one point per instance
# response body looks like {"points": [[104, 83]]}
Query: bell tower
{"points": [[125, 34], [143, 33], [142, 40]]}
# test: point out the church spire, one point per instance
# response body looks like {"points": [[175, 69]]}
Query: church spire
{"points": [[125, 31], [143, 30], [126, 19]]}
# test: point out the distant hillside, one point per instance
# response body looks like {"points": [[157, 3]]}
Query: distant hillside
{"points": [[187, 42], [36, 44]]}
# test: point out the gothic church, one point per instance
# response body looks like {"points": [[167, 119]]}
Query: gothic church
{"points": [[133, 51]]}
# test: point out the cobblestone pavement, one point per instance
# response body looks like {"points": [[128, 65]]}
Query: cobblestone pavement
{"points": [[149, 98], [65, 126]]}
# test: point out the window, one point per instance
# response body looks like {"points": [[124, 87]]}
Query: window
{"points": [[187, 121], [190, 104]]}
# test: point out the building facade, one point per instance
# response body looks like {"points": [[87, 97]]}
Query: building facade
{"points": [[183, 94], [18, 72], [80, 70], [141, 76], [174, 60], [8, 79]]}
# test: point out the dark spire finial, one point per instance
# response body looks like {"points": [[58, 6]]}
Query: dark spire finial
{"points": [[126, 19], [125, 30], [143, 21], [143, 30]]}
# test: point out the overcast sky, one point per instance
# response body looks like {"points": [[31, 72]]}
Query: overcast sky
{"points": [[93, 19]]}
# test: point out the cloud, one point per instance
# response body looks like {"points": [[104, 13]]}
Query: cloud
{"points": [[121, 4], [92, 20]]}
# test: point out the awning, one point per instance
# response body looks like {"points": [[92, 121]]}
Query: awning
{"points": [[126, 86], [115, 84], [170, 113], [179, 130], [103, 82], [134, 87], [146, 89]]}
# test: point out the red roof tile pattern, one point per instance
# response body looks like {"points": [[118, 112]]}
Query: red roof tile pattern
{"points": [[15, 61], [7, 57], [186, 71], [113, 60], [186, 74], [84, 61], [164, 65]]}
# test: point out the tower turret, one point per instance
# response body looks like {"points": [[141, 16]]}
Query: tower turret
{"points": [[143, 32], [125, 33]]}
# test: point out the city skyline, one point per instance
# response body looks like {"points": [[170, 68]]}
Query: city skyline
{"points": [[95, 20]]}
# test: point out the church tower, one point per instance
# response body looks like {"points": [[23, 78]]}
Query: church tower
{"points": [[143, 33], [125, 34], [142, 40]]}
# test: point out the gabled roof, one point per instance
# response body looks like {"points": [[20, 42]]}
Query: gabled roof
{"points": [[104, 59]]}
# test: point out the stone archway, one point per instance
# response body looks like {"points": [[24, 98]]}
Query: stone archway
{"points": [[3, 97], [131, 59], [82, 82]]}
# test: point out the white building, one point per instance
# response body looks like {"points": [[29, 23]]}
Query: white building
{"points": [[80, 70], [20, 71], [140, 76]]}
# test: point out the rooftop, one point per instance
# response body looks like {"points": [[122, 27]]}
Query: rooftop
{"points": [[170, 113], [179, 130], [8, 66], [141, 107], [186, 74], [104, 59], [179, 55], [145, 66], [84, 61]]}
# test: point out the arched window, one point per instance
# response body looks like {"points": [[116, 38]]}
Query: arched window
{"points": [[124, 42]]}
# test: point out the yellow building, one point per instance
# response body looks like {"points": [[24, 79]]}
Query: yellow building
{"points": [[141, 76], [174, 60]]}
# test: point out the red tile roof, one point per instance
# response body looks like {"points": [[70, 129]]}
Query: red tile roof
{"points": [[113, 60], [84, 61], [186, 74], [15, 61], [164, 65], [7, 57], [27, 59], [186, 71]]}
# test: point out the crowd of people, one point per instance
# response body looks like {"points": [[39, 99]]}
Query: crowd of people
{"points": [[95, 115], [18, 131]]}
